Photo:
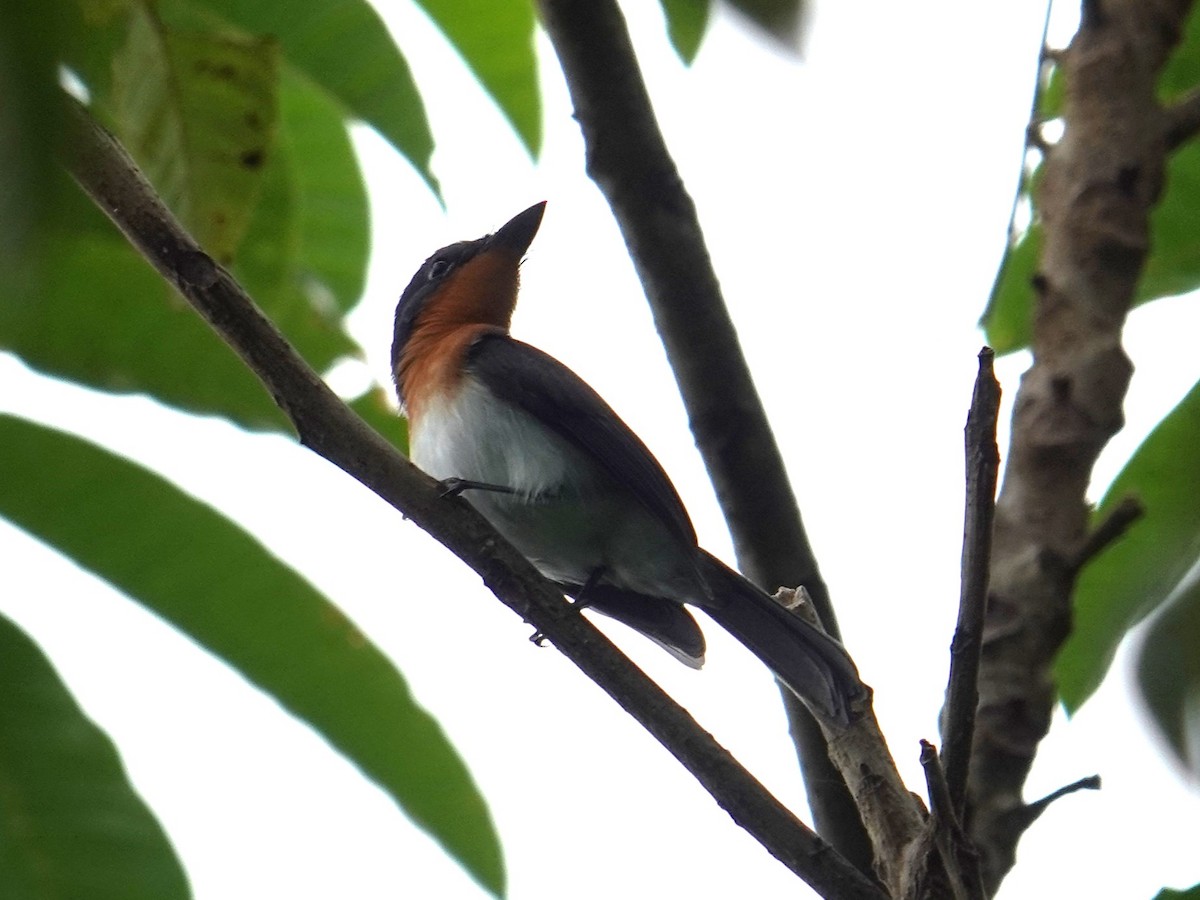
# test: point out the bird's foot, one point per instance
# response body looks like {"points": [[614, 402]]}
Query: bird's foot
{"points": [[452, 487], [582, 598]]}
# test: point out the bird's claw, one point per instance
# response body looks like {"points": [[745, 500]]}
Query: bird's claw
{"points": [[451, 487]]}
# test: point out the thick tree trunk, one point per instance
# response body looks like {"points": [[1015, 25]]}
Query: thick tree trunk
{"points": [[1101, 183]]}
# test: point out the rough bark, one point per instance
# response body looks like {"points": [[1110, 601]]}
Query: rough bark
{"points": [[1101, 183]]}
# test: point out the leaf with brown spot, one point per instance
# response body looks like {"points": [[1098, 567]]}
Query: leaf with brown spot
{"points": [[190, 106]]}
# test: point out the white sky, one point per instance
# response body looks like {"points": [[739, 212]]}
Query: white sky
{"points": [[855, 205]]}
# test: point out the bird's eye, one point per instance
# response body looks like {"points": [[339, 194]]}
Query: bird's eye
{"points": [[439, 268]]}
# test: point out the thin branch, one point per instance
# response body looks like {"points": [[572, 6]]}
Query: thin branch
{"points": [[892, 816], [328, 427], [628, 159], [1123, 515], [1035, 809], [960, 862], [940, 802], [1024, 816], [962, 691], [1182, 120]]}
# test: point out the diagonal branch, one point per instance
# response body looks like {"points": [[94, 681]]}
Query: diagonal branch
{"points": [[328, 427], [628, 159]]}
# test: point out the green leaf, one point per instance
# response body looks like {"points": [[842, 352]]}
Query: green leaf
{"points": [[1173, 264], [1169, 675], [98, 30], [1192, 893], [1051, 97], [1138, 572], [31, 127], [1172, 267], [1182, 72], [344, 47], [687, 20], [198, 111], [71, 825], [332, 225], [783, 20], [496, 40], [305, 255], [214, 582], [106, 319], [1007, 321]]}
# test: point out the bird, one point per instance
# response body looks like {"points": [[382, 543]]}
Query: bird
{"points": [[556, 471]]}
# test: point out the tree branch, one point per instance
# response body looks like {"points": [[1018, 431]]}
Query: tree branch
{"points": [[892, 816], [1124, 514], [629, 161], [1182, 119], [962, 691], [960, 862], [1033, 810], [328, 427], [1023, 816], [1100, 184]]}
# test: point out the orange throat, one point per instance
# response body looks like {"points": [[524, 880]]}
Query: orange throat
{"points": [[478, 299]]}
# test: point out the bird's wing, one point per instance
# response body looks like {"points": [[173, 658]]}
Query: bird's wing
{"points": [[550, 392]]}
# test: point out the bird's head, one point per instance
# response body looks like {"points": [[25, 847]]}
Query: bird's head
{"points": [[468, 283]]}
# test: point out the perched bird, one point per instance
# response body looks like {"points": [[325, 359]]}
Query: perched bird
{"points": [[558, 473]]}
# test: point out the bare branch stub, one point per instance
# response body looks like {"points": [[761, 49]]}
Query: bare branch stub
{"points": [[959, 859], [1123, 515], [1182, 119], [1029, 813], [982, 470]]}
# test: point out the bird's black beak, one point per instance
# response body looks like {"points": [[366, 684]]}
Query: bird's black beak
{"points": [[517, 234]]}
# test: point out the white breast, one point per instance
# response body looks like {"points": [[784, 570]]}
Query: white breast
{"points": [[477, 437], [568, 517]]}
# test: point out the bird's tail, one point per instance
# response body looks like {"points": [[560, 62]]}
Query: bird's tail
{"points": [[813, 665]]}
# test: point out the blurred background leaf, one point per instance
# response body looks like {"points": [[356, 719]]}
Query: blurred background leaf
{"points": [[199, 112], [1192, 893], [1168, 668], [31, 125], [687, 20], [785, 21], [371, 83], [216, 583], [71, 825], [495, 38], [1136, 574]]}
